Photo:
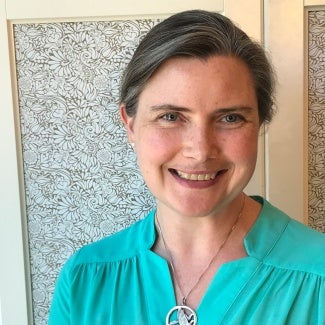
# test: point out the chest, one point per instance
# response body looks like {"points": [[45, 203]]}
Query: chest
{"points": [[244, 292]]}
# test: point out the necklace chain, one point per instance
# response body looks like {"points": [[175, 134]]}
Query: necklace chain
{"points": [[171, 260]]}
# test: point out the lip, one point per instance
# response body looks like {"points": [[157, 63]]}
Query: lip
{"points": [[198, 179]]}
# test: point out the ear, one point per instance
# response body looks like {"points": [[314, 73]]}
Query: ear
{"points": [[128, 122]]}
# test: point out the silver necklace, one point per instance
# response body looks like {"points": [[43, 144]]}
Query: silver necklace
{"points": [[183, 314]]}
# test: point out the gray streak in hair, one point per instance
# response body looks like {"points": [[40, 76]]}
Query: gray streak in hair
{"points": [[199, 34]]}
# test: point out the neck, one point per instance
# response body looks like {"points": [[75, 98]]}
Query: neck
{"points": [[190, 234]]}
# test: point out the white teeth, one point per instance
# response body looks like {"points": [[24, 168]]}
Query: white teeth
{"points": [[196, 177]]}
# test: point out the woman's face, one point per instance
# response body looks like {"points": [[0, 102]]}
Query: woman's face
{"points": [[195, 133]]}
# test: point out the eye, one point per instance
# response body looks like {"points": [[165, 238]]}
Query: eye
{"points": [[172, 117], [232, 118]]}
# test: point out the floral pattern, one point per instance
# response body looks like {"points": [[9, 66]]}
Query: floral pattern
{"points": [[81, 177], [316, 120]]}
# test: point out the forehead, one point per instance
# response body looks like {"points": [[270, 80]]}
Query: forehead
{"points": [[217, 78]]}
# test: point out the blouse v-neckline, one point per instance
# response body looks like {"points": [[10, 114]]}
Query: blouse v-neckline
{"points": [[232, 278]]}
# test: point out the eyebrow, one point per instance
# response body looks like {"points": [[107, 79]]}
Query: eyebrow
{"points": [[175, 108], [169, 107], [234, 109]]}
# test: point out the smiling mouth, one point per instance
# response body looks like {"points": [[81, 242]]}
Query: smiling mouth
{"points": [[197, 177]]}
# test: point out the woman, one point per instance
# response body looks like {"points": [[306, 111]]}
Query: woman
{"points": [[193, 99]]}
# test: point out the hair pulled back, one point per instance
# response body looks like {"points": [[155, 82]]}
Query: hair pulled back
{"points": [[199, 34]]}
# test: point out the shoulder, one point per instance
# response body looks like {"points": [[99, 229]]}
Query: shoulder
{"points": [[308, 243], [296, 245], [124, 244]]}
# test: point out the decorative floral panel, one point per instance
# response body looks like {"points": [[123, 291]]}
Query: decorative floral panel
{"points": [[81, 177], [316, 120]]}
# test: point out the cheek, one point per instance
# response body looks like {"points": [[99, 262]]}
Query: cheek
{"points": [[156, 146], [243, 147], [154, 150]]}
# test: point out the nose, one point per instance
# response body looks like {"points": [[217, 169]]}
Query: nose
{"points": [[201, 143]]}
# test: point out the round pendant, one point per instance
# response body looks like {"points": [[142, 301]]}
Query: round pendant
{"points": [[181, 315]]}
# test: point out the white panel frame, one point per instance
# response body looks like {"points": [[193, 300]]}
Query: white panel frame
{"points": [[286, 138], [13, 275], [15, 296], [308, 3], [40, 9], [287, 155]]}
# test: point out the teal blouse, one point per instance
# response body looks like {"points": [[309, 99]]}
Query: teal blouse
{"points": [[119, 280]]}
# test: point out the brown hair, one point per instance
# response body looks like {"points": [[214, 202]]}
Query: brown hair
{"points": [[201, 34]]}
